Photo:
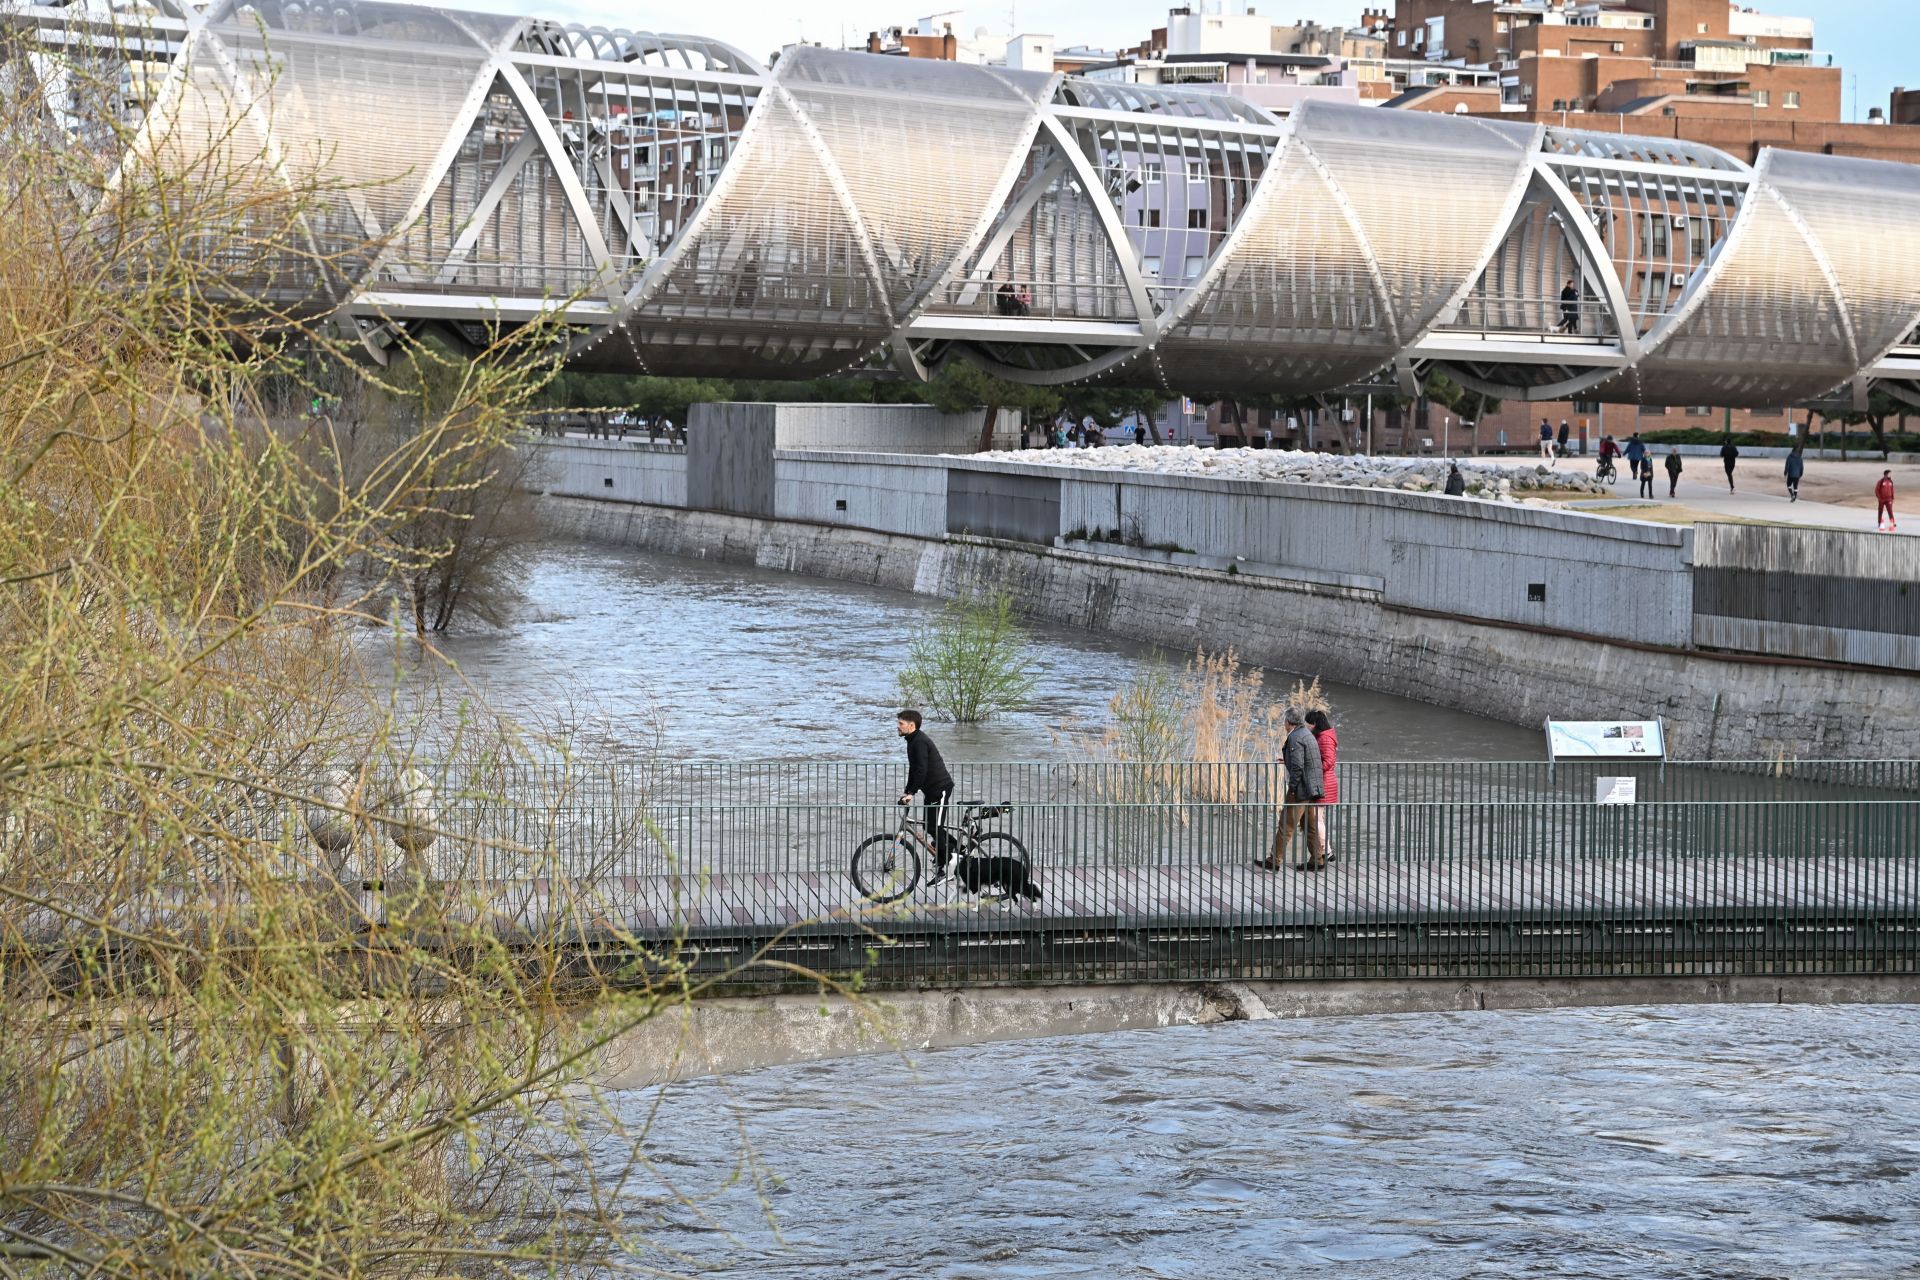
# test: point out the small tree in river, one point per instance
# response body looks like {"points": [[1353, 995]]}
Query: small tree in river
{"points": [[971, 662]]}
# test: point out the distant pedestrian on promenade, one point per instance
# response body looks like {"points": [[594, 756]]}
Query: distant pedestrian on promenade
{"points": [[1796, 467], [1140, 433], [1546, 442], [1306, 784], [1569, 309], [1673, 471], [1883, 497], [1566, 430], [1636, 452], [1329, 743], [1729, 454], [1456, 483], [1646, 478]]}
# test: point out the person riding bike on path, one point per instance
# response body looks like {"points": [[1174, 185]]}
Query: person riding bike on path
{"points": [[1609, 450], [1883, 497], [927, 775]]}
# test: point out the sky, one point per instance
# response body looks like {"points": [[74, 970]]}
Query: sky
{"points": [[1876, 41]]}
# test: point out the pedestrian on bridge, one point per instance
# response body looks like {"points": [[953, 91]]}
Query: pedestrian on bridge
{"points": [[1329, 743], [1569, 309], [1306, 785], [926, 776], [1883, 498]]}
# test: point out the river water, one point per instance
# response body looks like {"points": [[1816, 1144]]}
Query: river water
{"points": [[743, 663], [1723, 1142]]}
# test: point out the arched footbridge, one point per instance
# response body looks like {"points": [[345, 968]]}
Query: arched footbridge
{"points": [[690, 211]]}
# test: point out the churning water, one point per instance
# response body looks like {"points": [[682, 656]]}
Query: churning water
{"points": [[1775, 1141], [741, 663]]}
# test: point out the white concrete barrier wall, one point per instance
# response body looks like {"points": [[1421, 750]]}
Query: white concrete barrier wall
{"points": [[617, 471]]}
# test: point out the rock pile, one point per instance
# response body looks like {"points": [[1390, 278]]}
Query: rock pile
{"points": [[1488, 480]]}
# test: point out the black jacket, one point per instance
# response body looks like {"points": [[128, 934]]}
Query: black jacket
{"points": [[926, 771]]}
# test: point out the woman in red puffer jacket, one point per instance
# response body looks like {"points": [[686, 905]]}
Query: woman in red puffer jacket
{"points": [[1329, 758]]}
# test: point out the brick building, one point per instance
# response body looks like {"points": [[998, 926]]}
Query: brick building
{"points": [[1702, 70]]}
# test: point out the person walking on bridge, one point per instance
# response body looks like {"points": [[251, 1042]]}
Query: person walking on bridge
{"points": [[926, 776], [1306, 785], [1569, 309], [1329, 743], [1883, 498]]}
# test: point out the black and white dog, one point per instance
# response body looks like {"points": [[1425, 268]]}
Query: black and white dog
{"points": [[1001, 876]]}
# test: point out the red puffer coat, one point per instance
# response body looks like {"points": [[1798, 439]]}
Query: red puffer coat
{"points": [[1329, 757]]}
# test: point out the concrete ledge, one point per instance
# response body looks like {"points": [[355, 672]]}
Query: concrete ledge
{"points": [[717, 1037], [1223, 564]]}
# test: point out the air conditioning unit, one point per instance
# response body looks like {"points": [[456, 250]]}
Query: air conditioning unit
{"points": [[1680, 222], [1680, 279]]}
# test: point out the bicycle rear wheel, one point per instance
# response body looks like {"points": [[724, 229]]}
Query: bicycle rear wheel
{"points": [[886, 867]]}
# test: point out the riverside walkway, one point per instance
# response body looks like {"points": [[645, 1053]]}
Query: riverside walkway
{"points": [[1146, 873]]}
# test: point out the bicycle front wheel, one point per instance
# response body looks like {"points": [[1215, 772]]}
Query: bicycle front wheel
{"points": [[886, 867]]}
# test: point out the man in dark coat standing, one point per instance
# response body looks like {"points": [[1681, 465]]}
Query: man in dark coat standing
{"points": [[926, 776]]}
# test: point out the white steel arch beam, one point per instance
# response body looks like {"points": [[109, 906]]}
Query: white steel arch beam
{"points": [[1110, 225], [570, 186]]}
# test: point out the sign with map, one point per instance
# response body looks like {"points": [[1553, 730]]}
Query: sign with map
{"points": [[1605, 740]]}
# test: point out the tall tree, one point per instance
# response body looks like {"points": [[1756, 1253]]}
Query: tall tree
{"points": [[960, 387]]}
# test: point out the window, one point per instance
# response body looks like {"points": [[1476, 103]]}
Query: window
{"points": [[1196, 219], [1195, 265], [1657, 285], [1150, 266], [1700, 410], [1659, 242], [1698, 233], [1196, 171], [1790, 99], [1586, 406], [686, 154], [1152, 172], [1148, 217], [1703, 28], [1400, 38], [1762, 98]]}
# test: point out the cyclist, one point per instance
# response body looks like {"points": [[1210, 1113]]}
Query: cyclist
{"points": [[927, 776]]}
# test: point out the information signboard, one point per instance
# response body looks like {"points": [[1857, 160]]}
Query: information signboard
{"points": [[1606, 740]]}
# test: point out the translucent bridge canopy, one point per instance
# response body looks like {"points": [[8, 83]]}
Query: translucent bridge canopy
{"points": [[688, 210]]}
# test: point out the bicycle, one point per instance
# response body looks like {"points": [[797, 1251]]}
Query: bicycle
{"points": [[886, 865], [1605, 471]]}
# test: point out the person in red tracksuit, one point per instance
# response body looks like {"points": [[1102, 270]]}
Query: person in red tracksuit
{"points": [[1883, 492], [1329, 758]]}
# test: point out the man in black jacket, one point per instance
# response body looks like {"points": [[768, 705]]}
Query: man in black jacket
{"points": [[926, 775]]}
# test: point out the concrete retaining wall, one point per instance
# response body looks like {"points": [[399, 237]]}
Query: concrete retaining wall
{"points": [[1808, 593], [1715, 706], [717, 1037], [617, 471]]}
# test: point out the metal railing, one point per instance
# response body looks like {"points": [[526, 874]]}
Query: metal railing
{"points": [[1147, 871]]}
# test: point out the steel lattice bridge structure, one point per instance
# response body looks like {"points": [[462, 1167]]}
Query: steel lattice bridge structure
{"points": [[688, 211]]}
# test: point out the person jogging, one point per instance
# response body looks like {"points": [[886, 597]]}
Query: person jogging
{"points": [[1883, 496], [1729, 455], [926, 776]]}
